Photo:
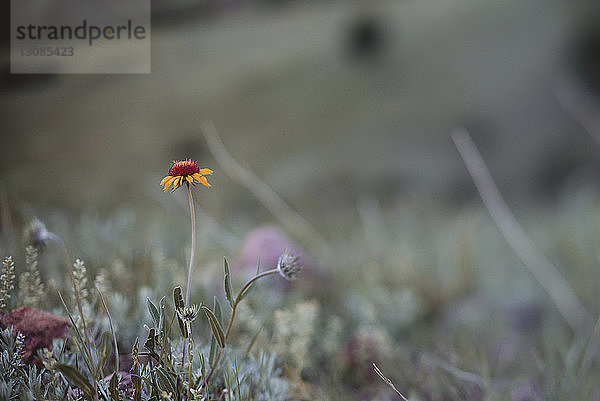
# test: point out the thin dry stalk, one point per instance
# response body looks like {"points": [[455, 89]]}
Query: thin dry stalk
{"points": [[547, 275], [291, 219], [76, 290], [388, 382]]}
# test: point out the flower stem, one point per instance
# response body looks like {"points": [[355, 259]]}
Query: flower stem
{"points": [[193, 248], [238, 298], [190, 268]]}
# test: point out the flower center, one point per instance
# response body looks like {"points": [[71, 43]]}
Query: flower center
{"points": [[183, 168]]}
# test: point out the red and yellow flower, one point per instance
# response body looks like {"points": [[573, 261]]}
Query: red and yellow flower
{"points": [[185, 171]]}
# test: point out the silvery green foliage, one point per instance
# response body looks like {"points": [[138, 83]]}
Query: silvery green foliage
{"points": [[258, 376], [21, 382], [255, 370], [12, 372]]}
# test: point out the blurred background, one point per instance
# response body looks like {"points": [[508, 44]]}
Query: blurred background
{"points": [[345, 109], [325, 100]]}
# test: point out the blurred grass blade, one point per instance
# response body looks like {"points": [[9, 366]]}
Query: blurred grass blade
{"points": [[79, 338], [112, 330], [547, 275], [254, 338], [289, 217], [104, 350]]}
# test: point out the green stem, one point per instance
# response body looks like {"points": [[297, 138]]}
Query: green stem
{"points": [[192, 251], [238, 298], [191, 266]]}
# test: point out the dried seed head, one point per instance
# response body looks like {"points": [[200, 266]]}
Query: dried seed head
{"points": [[188, 313], [7, 279], [288, 265], [19, 351]]}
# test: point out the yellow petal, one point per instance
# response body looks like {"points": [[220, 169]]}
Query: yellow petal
{"points": [[196, 176], [204, 181], [206, 171], [164, 180], [177, 182], [189, 179], [168, 184]]}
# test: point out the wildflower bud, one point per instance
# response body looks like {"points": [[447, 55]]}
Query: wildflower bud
{"points": [[36, 234], [288, 265]]}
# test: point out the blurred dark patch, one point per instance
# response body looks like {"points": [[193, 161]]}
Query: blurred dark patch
{"points": [[564, 163], [587, 55], [366, 37], [10, 81], [526, 317], [178, 13]]}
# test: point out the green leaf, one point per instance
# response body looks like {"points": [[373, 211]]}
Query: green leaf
{"points": [[217, 308], [215, 326], [135, 378], [178, 298], [213, 350], [76, 378], [113, 386], [213, 341], [149, 344], [165, 381], [178, 301], [228, 289], [161, 308], [154, 313]]}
